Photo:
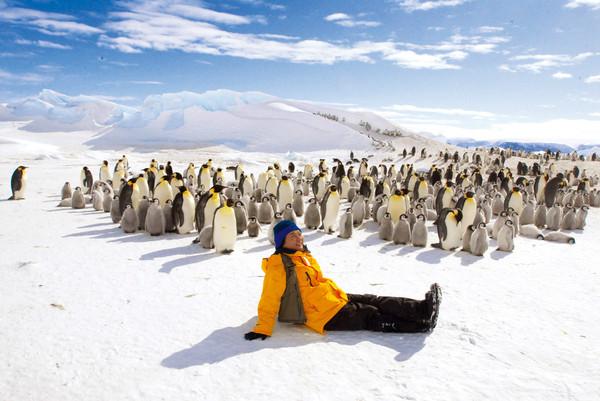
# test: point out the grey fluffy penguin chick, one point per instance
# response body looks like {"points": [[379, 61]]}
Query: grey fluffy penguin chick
{"points": [[129, 221], [358, 210], [527, 215], [271, 233], [253, 227], [531, 231], [107, 201], [115, 211], [499, 223], [401, 234], [466, 240], [97, 200], [497, 204], [155, 219], [142, 211], [168, 213], [386, 228], [312, 215], [580, 217], [240, 217], [568, 221], [554, 217], [540, 215], [265, 211], [559, 237], [479, 241], [252, 207], [298, 203], [78, 200], [346, 224], [66, 191], [380, 213], [419, 232], [288, 213], [505, 237], [205, 238]]}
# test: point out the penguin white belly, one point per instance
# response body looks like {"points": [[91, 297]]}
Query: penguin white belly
{"points": [[205, 179], [20, 194], [144, 189], [209, 210], [344, 187], [224, 230], [396, 208], [271, 186], [136, 197], [188, 215], [469, 210], [453, 237], [104, 174], [116, 181], [163, 193], [516, 202], [286, 195], [332, 208]]}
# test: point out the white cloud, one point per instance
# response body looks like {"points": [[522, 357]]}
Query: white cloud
{"points": [[348, 21], [146, 82], [45, 22], [594, 79], [22, 78], [42, 43], [545, 61], [562, 75], [205, 14], [420, 5], [506, 67], [490, 29], [595, 114], [593, 4], [152, 26]]}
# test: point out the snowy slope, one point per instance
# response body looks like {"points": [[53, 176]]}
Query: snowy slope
{"points": [[89, 313]]}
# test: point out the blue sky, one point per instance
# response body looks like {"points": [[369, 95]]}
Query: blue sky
{"points": [[488, 69]]}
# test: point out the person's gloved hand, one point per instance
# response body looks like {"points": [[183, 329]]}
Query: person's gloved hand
{"points": [[253, 336]]}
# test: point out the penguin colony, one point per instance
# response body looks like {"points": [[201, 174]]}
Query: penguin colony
{"points": [[474, 201]]}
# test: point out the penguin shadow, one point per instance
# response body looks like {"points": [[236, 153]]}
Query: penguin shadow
{"points": [[433, 256], [466, 258], [407, 249], [190, 249], [369, 226], [102, 234], [205, 255], [228, 342], [499, 255], [388, 247], [110, 223], [138, 236], [315, 234], [261, 248], [372, 239], [334, 240]]}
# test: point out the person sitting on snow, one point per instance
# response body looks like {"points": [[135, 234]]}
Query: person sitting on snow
{"points": [[321, 305]]}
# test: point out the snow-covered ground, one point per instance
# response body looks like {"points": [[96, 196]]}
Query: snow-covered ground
{"points": [[90, 313]]}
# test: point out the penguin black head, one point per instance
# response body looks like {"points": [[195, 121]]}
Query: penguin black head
{"points": [[397, 192], [469, 194], [333, 188], [229, 203], [105, 162], [218, 188], [182, 189], [284, 178]]}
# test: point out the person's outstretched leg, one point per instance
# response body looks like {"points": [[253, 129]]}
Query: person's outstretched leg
{"points": [[403, 308]]}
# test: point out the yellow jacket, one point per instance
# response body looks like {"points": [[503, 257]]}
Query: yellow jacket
{"points": [[321, 297]]}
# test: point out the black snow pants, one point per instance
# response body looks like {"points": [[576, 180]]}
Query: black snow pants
{"points": [[376, 313]]}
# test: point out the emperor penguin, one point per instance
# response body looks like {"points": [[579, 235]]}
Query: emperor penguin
{"points": [[87, 180], [288, 213], [330, 206], [224, 228], [190, 171], [397, 204], [168, 213], [449, 229], [241, 220], [443, 199], [499, 223], [253, 227], [176, 181], [568, 221], [155, 219], [143, 186], [107, 201], [129, 195], [285, 192], [559, 237], [344, 187], [580, 217], [271, 233], [515, 200], [468, 205], [97, 200], [312, 216], [421, 188], [184, 210], [345, 224], [118, 175], [539, 216], [506, 237], [538, 187], [308, 171], [129, 221], [66, 191], [115, 211], [163, 191], [208, 202], [319, 186], [298, 203], [265, 211], [467, 235], [419, 231], [531, 231], [142, 212], [245, 185], [358, 210], [554, 217], [252, 207], [204, 178], [386, 228], [479, 242], [272, 187], [78, 199], [104, 171], [551, 189], [402, 233]]}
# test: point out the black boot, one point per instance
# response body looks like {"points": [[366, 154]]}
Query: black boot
{"points": [[433, 299]]}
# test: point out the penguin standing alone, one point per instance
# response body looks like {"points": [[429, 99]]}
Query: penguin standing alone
{"points": [[18, 183]]}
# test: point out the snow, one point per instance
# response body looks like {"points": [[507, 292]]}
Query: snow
{"points": [[90, 313]]}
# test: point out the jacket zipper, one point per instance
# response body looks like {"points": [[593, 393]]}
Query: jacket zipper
{"points": [[308, 278]]}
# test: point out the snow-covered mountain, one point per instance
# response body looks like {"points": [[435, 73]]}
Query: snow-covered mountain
{"points": [[247, 121]]}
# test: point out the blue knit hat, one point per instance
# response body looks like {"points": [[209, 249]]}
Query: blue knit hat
{"points": [[281, 229]]}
